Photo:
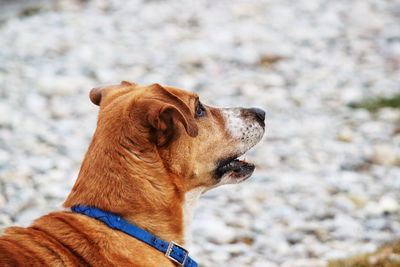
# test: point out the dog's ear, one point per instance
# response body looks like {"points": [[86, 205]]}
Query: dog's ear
{"points": [[162, 114], [162, 119], [127, 83], [95, 95]]}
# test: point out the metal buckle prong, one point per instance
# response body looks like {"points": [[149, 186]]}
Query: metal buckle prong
{"points": [[171, 245]]}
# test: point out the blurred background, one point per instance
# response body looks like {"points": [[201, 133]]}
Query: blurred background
{"points": [[327, 72]]}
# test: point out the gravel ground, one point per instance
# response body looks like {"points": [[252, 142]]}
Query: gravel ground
{"points": [[328, 177]]}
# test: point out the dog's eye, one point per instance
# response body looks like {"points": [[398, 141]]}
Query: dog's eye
{"points": [[200, 110]]}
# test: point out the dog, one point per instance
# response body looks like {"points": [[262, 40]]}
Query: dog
{"points": [[155, 150]]}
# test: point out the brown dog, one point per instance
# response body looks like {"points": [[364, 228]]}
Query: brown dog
{"points": [[155, 151]]}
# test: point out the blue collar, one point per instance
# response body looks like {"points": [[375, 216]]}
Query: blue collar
{"points": [[171, 250]]}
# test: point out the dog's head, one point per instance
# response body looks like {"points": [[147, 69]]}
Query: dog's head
{"points": [[156, 149], [197, 143]]}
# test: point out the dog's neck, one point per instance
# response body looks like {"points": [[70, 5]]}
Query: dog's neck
{"points": [[188, 208], [136, 187]]}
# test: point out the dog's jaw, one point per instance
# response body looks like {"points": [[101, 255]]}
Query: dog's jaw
{"points": [[245, 128]]}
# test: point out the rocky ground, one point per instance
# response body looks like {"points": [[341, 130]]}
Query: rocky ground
{"points": [[328, 177]]}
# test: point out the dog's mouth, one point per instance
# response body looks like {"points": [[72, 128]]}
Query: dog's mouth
{"points": [[235, 168]]}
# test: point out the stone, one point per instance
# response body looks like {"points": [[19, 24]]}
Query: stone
{"points": [[3, 201], [376, 224], [385, 154], [4, 157], [389, 114], [5, 114], [216, 231], [51, 86], [388, 204], [345, 135], [4, 220], [264, 263], [25, 217]]}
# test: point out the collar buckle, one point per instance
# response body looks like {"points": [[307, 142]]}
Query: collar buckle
{"points": [[170, 248]]}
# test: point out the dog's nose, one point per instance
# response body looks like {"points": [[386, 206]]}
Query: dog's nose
{"points": [[259, 113]]}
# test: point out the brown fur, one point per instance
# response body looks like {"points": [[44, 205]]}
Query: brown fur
{"points": [[147, 151]]}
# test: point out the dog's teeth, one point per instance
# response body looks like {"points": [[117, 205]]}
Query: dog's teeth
{"points": [[243, 158]]}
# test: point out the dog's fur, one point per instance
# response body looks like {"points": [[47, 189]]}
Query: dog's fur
{"points": [[155, 151]]}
